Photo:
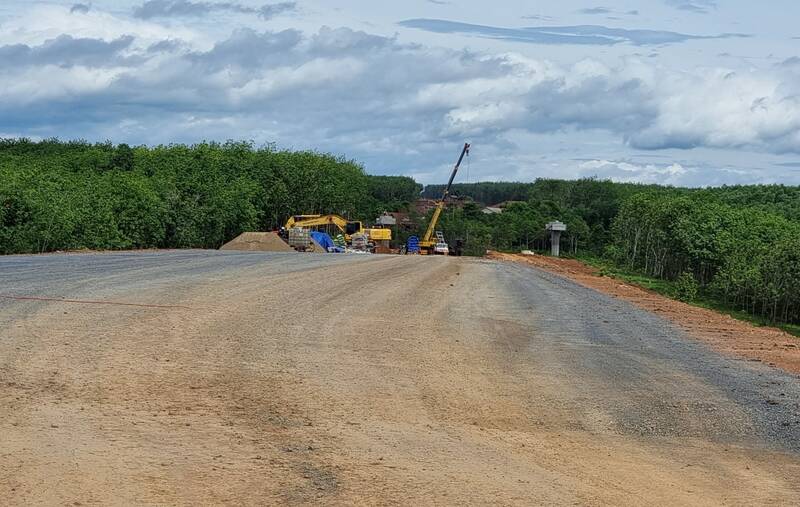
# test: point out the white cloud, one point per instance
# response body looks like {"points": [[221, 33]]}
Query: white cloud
{"points": [[723, 109], [696, 6], [43, 22], [672, 174], [36, 86], [99, 75]]}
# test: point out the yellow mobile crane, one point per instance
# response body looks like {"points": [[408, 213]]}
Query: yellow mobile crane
{"points": [[428, 244]]}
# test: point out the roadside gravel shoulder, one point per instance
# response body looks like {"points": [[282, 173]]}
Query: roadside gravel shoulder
{"points": [[771, 346]]}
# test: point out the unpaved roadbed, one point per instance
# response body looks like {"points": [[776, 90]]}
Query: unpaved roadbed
{"points": [[726, 334], [369, 380]]}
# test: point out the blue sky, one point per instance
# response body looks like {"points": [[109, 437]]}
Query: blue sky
{"points": [[684, 92]]}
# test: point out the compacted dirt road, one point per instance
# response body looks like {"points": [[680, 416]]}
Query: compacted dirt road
{"points": [[196, 378]]}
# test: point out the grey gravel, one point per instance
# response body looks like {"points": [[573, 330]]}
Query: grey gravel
{"points": [[651, 377]]}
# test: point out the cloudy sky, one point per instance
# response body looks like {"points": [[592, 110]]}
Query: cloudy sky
{"points": [[685, 92]]}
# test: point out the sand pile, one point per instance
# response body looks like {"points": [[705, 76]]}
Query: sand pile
{"points": [[317, 247], [258, 242]]}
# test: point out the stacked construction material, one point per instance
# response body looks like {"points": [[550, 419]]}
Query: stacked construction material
{"points": [[300, 239], [359, 242]]}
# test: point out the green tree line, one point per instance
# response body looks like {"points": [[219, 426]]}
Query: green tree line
{"points": [[74, 195], [745, 257], [587, 206]]}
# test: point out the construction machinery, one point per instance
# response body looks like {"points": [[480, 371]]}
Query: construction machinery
{"points": [[348, 228], [435, 244]]}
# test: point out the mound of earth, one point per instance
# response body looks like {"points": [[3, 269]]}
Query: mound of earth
{"points": [[258, 242]]}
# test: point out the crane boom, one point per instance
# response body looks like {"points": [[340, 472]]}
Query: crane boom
{"points": [[464, 153], [427, 242]]}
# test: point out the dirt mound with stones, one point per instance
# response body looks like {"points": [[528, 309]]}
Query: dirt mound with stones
{"points": [[258, 242]]}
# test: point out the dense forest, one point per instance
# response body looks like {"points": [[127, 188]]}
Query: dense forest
{"points": [[73, 195], [738, 245]]}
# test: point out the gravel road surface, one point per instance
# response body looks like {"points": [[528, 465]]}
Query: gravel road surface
{"points": [[196, 377]]}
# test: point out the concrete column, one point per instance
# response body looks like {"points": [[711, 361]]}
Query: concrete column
{"points": [[555, 243], [556, 228]]}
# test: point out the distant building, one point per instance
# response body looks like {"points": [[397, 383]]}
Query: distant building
{"points": [[498, 208], [395, 218], [386, 220]]}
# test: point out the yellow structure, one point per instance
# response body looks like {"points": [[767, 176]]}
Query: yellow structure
{"points": [[348, 228], [428, 244]]}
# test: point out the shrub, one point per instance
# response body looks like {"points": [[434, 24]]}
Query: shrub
{"points": [[686, 287]]}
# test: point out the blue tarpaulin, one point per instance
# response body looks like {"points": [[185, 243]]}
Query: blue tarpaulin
{"points": [[324, 240]]}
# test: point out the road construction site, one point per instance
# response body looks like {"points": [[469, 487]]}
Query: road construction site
{"points": [[250, 378]]}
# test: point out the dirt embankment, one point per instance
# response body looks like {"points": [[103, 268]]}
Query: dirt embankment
{"points": [[724, 333]]}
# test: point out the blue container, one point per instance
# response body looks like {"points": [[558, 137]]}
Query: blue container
{"points": [[412, 246]]}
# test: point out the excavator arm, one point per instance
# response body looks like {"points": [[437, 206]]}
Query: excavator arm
{"points": [[321, 220]]}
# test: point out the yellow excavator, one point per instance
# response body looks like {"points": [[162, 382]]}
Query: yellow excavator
{"points": [[348, 228], [429, 244]]}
